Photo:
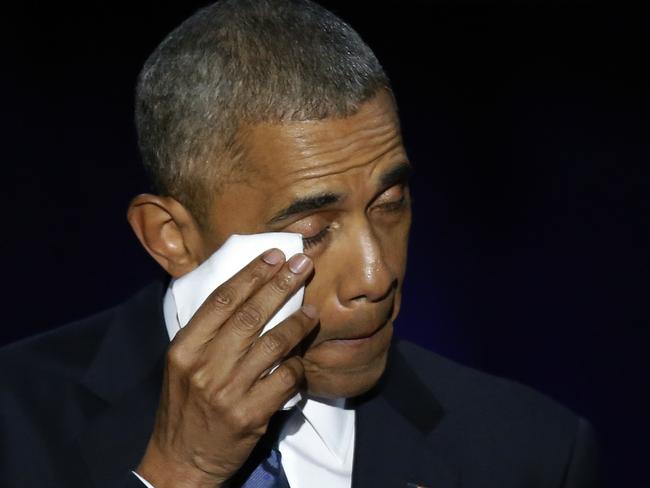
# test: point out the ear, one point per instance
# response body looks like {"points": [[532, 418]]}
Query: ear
{"points": [[167, 231]]}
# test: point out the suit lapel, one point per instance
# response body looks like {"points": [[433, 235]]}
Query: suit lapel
{"points": [[395, 442], [125, 379]]}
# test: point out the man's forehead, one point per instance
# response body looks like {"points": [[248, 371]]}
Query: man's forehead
{"points": [[311, 149], [326, 160]]}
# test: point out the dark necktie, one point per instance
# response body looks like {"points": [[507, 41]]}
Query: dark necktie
{"points": [[263, 469], [269, 473]]}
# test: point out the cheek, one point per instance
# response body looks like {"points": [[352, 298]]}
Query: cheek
{"points": [[394, 243], [398, 257], [391, 239], [322, 292], [321, 289]]}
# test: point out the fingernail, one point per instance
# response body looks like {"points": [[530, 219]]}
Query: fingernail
{"points": [[298, 263], [273, 257], [310, 311]]}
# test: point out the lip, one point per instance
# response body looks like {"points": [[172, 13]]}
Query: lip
{"points": [[350, 333], [358, 339], [352, 354], [352, 342]]}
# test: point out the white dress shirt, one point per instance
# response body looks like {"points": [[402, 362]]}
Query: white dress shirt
{"points": [[317, 440]]}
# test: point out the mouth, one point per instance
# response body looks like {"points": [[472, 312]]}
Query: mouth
{"points": [[352, 356], [355, 344], [359, 337], [359, 332], [352, 353]]}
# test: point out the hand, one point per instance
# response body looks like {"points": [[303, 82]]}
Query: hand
{"points": [[217, 396]]}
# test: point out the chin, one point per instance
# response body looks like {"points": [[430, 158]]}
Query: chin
{"points": [[339, 383]]}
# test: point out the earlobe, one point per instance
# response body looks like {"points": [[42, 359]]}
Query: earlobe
{"points": [[167, 231]]}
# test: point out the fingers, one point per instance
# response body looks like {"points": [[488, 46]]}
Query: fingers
{"points": [[228, 297], [273, 391], [216, 402], [272, 347], [245, 324]]}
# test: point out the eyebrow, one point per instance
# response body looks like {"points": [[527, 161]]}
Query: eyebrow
{"points": [[399, 174], [306, 204]]}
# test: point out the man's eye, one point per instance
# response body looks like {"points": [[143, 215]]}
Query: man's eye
{"points": [[314, 240], [393, 206]]}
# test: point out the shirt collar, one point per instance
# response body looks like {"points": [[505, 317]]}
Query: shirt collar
{"points": [[169, 312], [332, 422]]}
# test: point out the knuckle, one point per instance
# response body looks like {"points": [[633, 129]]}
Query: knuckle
{"points": [[288, 376], [198, 380], [177, 359], [282, 283], [298, 325], [223, 298], [273, 343], [241, 418], [221, 399], [258, 274], [248, 317], [301, 320]]}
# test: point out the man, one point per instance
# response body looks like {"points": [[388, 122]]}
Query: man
{"points": [[259, 116]]}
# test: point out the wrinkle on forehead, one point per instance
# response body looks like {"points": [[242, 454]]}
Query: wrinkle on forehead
{"points": [[330, 145], [282, 155], [338, 165], [317, 148]]}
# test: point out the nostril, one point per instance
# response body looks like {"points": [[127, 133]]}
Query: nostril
{"points": [[376, 296]]}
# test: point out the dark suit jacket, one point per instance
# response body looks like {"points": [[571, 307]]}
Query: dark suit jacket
{"points": [[78, 405]]}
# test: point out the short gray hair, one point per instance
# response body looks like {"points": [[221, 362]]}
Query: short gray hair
{"points": [[236, 63]]}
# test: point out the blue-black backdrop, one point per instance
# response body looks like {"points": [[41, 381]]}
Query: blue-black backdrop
{"points": [[528, 124]]}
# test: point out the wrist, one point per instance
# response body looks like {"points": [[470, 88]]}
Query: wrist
{"points": [[164, 472]]}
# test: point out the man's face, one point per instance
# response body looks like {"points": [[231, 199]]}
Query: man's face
{"points": [[342, 184]]}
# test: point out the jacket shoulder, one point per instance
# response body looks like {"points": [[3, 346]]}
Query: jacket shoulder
{"points": [[56, 388], [64, 352], [463, 389], [504, 423]]}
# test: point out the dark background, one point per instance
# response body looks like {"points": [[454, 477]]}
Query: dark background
{"points": [[528, 123]]}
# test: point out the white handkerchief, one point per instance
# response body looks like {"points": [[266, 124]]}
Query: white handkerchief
{"points": [[191, 290]]}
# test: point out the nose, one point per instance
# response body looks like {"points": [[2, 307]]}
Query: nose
{"points": [[365, 274]]}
